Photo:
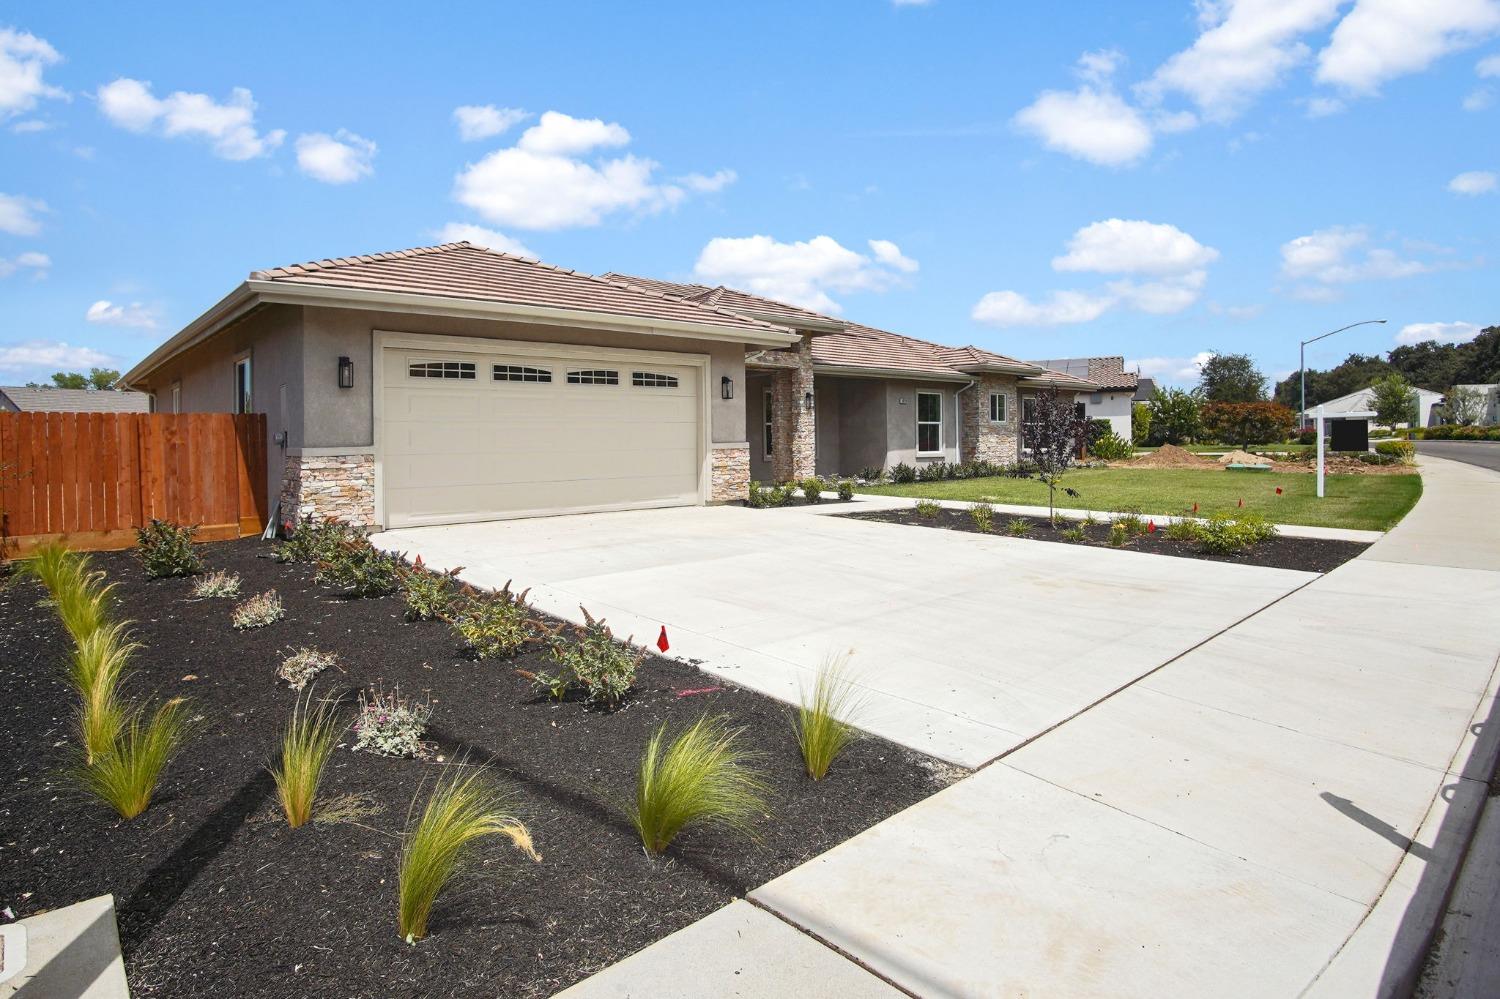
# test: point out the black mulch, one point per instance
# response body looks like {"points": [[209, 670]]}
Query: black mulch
{"points": [[216, 896], [1308, 554]]}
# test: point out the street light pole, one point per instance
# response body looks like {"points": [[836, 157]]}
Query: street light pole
{"points": [[1302, 366]]}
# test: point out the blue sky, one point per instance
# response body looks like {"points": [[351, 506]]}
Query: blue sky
{"points": [[1154, 180]]}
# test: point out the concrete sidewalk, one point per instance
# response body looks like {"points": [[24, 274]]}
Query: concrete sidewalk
{"points": [[1278, 811]]}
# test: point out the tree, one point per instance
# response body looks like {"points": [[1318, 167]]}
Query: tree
{"points": [[1463, 405], [1394, 401], [1247, 422], [70, 380], [103, 379], [97, 380], [1054, 436], [1231, 378], [1140, 423], [1174, 416]]}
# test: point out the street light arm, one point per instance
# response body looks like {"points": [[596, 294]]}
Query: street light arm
{"points": [[1365, 322], [1302, 366]]}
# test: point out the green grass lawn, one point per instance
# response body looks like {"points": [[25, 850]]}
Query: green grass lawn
{"points": [[1364, 502]]}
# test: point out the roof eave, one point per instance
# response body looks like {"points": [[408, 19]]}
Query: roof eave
{"points": [[996, 368], [228, 308], [860, 370]]}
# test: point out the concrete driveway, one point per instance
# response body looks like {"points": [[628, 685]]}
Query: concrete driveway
{"points": [[967, 646]]}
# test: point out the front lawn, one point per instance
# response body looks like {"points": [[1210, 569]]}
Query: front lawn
{"points": [[1363, 502]]}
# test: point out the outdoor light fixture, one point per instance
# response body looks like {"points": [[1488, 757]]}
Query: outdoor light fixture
{"points": [[807, 402], [726, 387], [346, 373]]}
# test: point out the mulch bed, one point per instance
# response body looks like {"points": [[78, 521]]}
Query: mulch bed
{"points": [[216, 895], [1307, 554]]}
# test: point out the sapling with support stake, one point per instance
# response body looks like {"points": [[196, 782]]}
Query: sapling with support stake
{"points": [[1054, 437]]}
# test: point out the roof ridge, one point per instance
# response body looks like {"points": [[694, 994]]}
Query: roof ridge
{"points": [[637, 289]]}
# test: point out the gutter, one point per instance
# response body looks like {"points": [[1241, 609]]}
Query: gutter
{"points": [[900, 373], [958, 421]]}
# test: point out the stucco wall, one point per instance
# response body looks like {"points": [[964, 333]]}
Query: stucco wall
{"points": [[1112, 406], [901, 423], [756, 387], [827, 394]]}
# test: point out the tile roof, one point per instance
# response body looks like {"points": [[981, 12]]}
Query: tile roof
{"points": [[60, 400], [1108, 373], [855, 346], [463, 270]]}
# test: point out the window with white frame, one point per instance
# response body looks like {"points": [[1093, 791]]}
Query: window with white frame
{"points": [[768, 411], [244, 400], [465, 370], [929, 422], [520, 373], [997, 407], [177, 397], [652, 379], [593, 376]]}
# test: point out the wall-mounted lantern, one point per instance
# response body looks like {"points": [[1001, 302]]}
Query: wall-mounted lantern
{"points": [[346, 373], [807, 402], [726, 387]]}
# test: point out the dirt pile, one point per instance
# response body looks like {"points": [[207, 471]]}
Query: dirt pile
{"points": [[1238, 457], [1172, 456]]}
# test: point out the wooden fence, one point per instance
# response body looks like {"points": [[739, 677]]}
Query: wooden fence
{"points": [[90, 479]]}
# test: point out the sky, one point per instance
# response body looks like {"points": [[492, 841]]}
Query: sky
{"points": [[1151, 179]]}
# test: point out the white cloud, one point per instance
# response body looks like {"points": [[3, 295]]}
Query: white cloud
{"points": [[1236, 311], [31, 126], [135, 315], [544, 182], [1474, 182], [1131, 246], [53, 354], [37, 263], [481, 121], [1245, 48], [708, 184], [1488, 66], [1100, 66], [23, 60], [1090, 123], [1011, 308], [1171, 370], [228, 127], [1322, 107], [1380, 40], [459, 232], [1478, 99], [341, 158], [1458, 332], [804, 272], [1340, 255], [1159, 298], [18, 215]]}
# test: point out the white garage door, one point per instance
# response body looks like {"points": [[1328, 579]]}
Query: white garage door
{"points": [[483, 436]]}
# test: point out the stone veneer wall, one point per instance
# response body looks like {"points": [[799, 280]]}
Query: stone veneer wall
{"points": [[983, 440], [794, 428], [729, 473], [337, 486]]}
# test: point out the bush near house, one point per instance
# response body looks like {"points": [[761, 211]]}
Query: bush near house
{"points": [[1453, 432], [1247, 422], [166, 549]]}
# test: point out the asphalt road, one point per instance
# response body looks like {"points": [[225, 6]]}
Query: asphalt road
{"points": [[1486, 454]]}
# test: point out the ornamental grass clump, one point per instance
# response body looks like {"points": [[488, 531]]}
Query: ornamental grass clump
{"points": [[1074, 534], [389, 724], [928, 508], [98, 665], [51, 564], [219, 585], [125, 776], [464, 808], [303, 665], [257, 612], [1016, 527], [824, 718], [703, 779], [81, 598], [983, 516], [166, 549], [309, 739]]}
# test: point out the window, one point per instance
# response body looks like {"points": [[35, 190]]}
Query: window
{"points": [[244, 401], [1028, 410], [997, 407], [441, 369], [929, 422], [650, 379], [177, 397], [1080, 410], [1028, 422], [593, 376], [519, 373], [768, 410]]}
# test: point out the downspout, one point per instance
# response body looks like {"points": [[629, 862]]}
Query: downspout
{"points": [[958, 422]]}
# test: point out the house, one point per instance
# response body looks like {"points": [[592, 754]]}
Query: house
{"points": [[453, 383], [1118, 389], [47, 399], [1363, 401], [1489, 403]]}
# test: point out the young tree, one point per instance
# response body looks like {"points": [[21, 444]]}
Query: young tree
{"points": [[1174, 416], [1054, 438], [1140, 422], [1394, 401], [103, 379], [1231, 378], [1464, 405]]}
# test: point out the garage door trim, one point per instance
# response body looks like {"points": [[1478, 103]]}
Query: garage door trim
{"points": [[384, 339]]}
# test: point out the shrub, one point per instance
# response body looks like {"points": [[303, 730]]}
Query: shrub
{"points": [[1247, 422], [303, 665], [983, 516], [1017, 527], [166, 549], [761, 496], [126, 775], [313, 541], [846, 490], [492, 625], [1119, 535], [702, 779], [1182, 530], [812, 489], [1227, 534], [429, 595], [935, 471], [1075, 534], [1140, 423], [928, 508], [902, 473], [824, 728], [1174, 417], [310, 736], [360, 568], [1403, 451], [871, 473], [591, 657], [1111, 447], [219, 584], [257, 612], [1131, 521], [389, 724], [463, 809], [755, 496]]}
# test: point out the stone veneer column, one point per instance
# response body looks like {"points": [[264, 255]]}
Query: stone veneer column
{"points": [[794, 427], [729, 473], [329, 486], [982, 439]]}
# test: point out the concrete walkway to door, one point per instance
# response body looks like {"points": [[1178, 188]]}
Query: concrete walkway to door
{"points": [[968, 645]]}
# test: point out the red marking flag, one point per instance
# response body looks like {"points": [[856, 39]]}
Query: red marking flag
{"points": [[1278, 490], [1150, 527], [661, 640]]}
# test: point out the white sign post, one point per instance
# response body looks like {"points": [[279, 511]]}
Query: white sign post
{"points": [[1319, 419]]}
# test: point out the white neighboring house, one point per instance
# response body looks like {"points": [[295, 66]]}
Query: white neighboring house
{"points": [[1118, 388], [1489, 402], [1364, 401]]}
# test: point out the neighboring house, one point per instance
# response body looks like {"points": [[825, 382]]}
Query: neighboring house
{"points": [[1489, 403], [1363, 401], [46, 399], [452, 383], [1118, 389]]}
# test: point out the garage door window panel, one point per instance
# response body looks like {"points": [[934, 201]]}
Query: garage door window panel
{"points": [[520, 373], [452, 370], [652, 379], [594, 376]]}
